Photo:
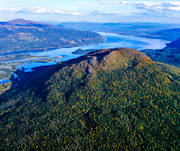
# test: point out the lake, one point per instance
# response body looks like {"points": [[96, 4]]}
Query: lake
{"points": [[112, 41]]}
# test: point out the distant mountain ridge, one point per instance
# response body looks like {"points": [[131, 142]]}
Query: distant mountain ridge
{"points": [[174, 45], [168, 34], [142, 29], [22, 22], [169, 55], [20, 35], [16, 23], [19, 22]]}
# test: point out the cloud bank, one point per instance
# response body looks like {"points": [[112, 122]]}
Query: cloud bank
{"points": [[102, 10], [153, 6], [38, 10]]}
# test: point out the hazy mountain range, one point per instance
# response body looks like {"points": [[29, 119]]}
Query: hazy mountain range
{"points": [[152, 30], [24, 35]]}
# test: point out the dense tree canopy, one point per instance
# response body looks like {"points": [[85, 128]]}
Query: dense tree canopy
{"points": [[108, 100]]}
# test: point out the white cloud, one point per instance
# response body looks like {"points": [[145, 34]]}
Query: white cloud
{"points": [[154, 6], [38, 10], [171, 6], [101, 13]]}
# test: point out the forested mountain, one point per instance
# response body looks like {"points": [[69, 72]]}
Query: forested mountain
{"points": [[170, 54], [175, 44], [168, 34], [113, 99], [22, 35]]}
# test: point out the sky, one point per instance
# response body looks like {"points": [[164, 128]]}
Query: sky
{"points": [[165, 11]]}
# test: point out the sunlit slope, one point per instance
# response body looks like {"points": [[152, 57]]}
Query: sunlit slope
{"points": [[24, 35], [114, 99]]}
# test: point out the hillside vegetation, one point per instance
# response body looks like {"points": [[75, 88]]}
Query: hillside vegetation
{"points": [[167, 34], [171, 70], [169, 55], [113, 99], [23, 35], [175, 44], [166, 55]]}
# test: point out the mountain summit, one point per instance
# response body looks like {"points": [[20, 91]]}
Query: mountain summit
{"points": [[23, 22], [112, 99], [17, 23]]}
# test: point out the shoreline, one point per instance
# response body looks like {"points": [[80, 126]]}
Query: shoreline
{"points": [[11, 52], [52, 50]]}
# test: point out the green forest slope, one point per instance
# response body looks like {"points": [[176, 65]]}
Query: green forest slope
{"points": [[114, 99]]}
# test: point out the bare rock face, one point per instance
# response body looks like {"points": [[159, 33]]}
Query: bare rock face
{"points": [[111, 59]]}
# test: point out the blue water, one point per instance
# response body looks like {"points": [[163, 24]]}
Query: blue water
{"points": [[112, 41], [2, 81]]}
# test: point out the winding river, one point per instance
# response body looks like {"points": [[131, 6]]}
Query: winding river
{"points": [[112, 41]]}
